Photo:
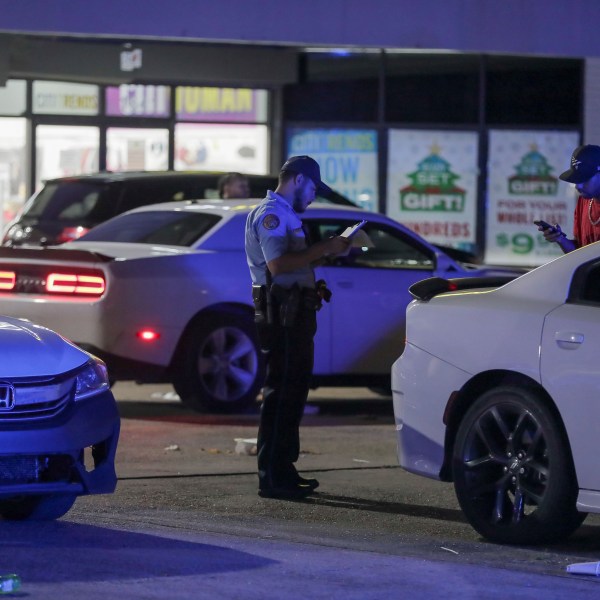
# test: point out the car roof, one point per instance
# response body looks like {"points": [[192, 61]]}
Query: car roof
{"points": [[122, 176], [227, 208], [206, 178]]}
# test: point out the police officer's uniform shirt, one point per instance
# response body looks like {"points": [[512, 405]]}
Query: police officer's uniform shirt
{"points": [[272, 230]]}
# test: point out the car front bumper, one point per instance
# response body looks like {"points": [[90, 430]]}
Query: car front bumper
{"points": [[73, 454]]}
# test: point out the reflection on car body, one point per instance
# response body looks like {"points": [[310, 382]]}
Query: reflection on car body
{"points": [[163, 293], [59, 423], [497, 390]]}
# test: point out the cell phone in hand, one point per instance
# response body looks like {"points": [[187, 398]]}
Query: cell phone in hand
{"points": [[545, 226]]}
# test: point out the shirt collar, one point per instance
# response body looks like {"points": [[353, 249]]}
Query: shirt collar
{"points": [[275, 196]]}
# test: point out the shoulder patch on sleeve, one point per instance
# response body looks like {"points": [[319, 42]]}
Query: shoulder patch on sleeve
{"points": [[271, 221]]}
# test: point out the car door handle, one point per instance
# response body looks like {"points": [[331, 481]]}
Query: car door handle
{"points": [[568, 339]]}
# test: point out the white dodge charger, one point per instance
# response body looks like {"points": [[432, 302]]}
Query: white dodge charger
{"points": [[498, 390]]}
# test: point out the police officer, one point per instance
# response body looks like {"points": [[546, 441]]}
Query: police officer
{"points": [[286, 300]]}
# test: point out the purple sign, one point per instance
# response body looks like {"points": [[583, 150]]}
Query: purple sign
{"points": [[225, 105], [138, 101]]}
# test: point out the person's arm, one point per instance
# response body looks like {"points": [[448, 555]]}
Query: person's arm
{"points": [[566, 244], [291, 261]]}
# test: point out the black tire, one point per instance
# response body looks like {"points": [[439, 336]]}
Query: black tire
{"points": [[36, 508], [513, 472], [220, 365]]}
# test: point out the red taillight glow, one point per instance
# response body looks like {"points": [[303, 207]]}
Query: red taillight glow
{"points": [[148, 335], [70, 233], [67, 283], [7, 280]]}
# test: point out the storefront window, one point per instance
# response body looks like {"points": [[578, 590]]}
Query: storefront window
{"points": [[432, 88], [12, 167], [13, 97], [528, 91], [65, 150], [212, 147], [137, 149], [335, 86], [348, 160]]}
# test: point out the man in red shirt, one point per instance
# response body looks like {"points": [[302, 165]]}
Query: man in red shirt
{"points": [[585, 174]]}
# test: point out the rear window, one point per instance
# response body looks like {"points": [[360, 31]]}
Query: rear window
{"points": [[172, 228], [68, 201]]}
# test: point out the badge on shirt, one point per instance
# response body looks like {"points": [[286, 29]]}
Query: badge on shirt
{"points": [[271, 222]]}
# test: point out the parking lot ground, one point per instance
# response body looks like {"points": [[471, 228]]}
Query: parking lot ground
{"points": [[186, 522]]}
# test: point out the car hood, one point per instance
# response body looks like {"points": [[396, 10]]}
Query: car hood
{"points": [[30, 350], [120, 250]]}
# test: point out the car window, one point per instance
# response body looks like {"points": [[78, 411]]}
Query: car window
{"points": [[375, 246], [142, 193], [173, 228], [66, 200], [585, 285]]}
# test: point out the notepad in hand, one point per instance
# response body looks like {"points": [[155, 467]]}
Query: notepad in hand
{"points": [[350, 231]]}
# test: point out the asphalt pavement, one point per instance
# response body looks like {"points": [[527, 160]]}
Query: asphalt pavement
{"points": [[186, 522]]}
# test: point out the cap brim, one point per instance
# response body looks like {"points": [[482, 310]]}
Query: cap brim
{"points": [[576, 175], [323, 189]]}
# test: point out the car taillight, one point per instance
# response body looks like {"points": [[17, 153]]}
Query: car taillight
{"points": [[68, 234], [69, 283], [7, 280]]}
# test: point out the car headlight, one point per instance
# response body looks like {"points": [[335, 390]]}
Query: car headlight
{"points": [[92, 379]]}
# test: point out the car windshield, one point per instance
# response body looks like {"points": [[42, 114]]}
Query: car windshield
{"points": [[69, 200], [172, 228]]}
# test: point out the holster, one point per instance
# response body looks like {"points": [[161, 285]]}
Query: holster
{"points": [[263, 316]]}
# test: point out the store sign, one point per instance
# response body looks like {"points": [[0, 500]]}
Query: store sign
{"points": [[432, 184], [523, 186], [138, 101], [347, 157], [220, 104], [57, 98]]}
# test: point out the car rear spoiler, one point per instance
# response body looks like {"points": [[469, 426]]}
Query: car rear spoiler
{"points": [[428, 288], [45, 253]]}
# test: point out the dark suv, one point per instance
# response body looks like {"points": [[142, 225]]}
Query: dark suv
{"points": [[64, 209]]}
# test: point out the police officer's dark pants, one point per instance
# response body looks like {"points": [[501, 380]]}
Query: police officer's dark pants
{"points": [[289, 369]]}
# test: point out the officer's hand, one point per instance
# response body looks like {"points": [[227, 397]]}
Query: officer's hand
{"points": [[337, 245]]}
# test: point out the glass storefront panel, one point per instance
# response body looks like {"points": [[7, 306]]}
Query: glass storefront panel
{"points": [[335, 86], [526, 91], [347, 157], [523, 186], [432, 88], [137, 149], [13, 167], [13, 97], [65, 150], [208, 147], [432, 184]]}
